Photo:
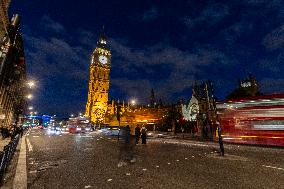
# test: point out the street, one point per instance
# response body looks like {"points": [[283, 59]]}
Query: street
{"points": [[90, 161]]}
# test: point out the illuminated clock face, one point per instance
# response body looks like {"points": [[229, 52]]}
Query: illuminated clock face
{"points": [[103, 59]]}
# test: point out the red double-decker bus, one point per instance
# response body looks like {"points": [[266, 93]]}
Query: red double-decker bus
{"points": [[255, 120]]}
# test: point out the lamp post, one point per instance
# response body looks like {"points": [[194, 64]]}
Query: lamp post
{"points": [[118, 110], [31, 84], [29, 96]]}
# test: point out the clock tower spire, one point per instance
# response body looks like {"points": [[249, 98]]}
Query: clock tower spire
{"points": [[97, 102]]}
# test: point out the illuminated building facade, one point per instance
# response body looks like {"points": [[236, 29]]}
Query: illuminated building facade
{"points": [[97, 103], [4, 19], [12, 76]]}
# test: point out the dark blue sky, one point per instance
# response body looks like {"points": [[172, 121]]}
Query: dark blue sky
{"points": [[165, 45]]}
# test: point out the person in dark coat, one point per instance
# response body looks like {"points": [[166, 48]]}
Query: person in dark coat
{"points": [[137, 134], [127, 134], [220, 140], [143, 135], [126, 148]]}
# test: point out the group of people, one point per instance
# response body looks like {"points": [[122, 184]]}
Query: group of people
{"points": [[127, 152], [140, 132]]}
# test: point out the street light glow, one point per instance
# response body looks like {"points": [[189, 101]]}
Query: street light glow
{"points": [[30, 108], [29, 96], [133, 102], [31, 84]]}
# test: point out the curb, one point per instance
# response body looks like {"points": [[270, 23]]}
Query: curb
{"points": [[20, 180]]}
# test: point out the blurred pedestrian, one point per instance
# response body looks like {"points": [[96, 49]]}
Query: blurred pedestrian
{"points": [[220, 139], [127, 134], [137, 134], [126, 148], [143, 134]]}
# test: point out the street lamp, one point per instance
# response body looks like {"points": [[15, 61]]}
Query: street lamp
{"points": [[31, 84], [133, 102], [29, 96]]}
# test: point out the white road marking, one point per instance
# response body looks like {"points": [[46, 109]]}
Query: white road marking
{"points": [[89, 186], [144, 169], [169, 163], [192, 156], [109, 180], [157, 166], [30, 147], [35, 136], [185, 158], [128, 174], [186, 143], [177, 160], [272, 167]]}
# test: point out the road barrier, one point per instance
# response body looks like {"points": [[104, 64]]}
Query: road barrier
{"points": [[6, 156]]}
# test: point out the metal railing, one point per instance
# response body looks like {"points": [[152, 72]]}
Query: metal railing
{"points": [[6, 156]]}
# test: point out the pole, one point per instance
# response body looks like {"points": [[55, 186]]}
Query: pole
{"points": [[118, 130], [118, 119]]}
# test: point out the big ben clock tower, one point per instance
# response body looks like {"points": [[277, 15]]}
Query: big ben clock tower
{"points": [[96, 106]]}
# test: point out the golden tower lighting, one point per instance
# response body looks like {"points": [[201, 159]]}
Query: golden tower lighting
{"points": [[96, 106]]}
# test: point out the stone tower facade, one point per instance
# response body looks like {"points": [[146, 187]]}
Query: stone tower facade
{"points": [[4, 19], [97, 103]]}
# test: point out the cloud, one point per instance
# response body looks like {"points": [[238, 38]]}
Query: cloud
{"points": [[182, 67], [86, 37], [209, 16], [139, 89], [51, 25], [234, 32], [62, 70], [272, 85], [275, 39], [150, 14], [51, 56]]}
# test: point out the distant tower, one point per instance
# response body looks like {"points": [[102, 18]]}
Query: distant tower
{"points": [[152, 99], [96, 106]]}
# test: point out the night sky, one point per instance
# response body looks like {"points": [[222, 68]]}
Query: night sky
{"points": [[165, 45]]}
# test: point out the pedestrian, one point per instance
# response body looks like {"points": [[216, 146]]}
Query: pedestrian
{"points": [[143, 134], [126, 134], [220, 139], [137, 134], [126, 148]]}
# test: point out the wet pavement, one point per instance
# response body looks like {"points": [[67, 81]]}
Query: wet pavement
{"points": [[91, 161]]}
